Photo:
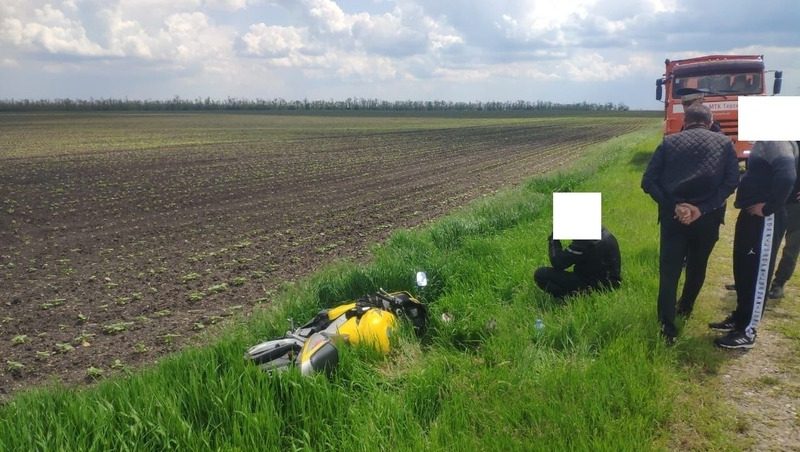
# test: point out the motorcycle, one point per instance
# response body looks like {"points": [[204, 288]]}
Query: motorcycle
{"points": [[369, 320]]}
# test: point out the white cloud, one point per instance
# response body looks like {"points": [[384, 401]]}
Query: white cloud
{"points": [[70, 5], [441, 36], [590, 67], [128, 38], [51, 31], [226, 5], [366, 67], [663, 6], [293, 47], [327, 15], [403, 31], [361, 46], [528, 71], [273, 41], [194, 38]]}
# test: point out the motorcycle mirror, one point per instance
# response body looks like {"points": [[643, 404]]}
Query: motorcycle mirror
{"points": [[422, 279]]}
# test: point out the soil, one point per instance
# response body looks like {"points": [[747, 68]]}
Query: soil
{"points": [[115, 257]]}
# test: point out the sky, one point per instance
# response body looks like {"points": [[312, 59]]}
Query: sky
{"points": [[458, 50]]}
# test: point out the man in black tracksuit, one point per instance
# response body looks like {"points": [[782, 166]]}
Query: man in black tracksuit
{"points": [[597, 265], [690, 176], [791, 245], [763, 190]]}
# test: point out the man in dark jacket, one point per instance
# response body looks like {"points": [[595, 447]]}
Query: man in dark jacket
{"points": [[687, 100], [763, 191], [791, 247], [690, 176], [597, 265]]}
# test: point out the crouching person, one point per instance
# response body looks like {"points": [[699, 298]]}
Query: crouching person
{"points": [[596, 265]]}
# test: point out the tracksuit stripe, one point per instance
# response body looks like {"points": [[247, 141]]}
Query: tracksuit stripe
{"points": [[760, 294]]}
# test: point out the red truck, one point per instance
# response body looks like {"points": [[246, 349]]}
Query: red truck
{"points": [[721, 79]]}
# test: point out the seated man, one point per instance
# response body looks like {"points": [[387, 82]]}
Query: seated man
{"points": [[597, 265]]}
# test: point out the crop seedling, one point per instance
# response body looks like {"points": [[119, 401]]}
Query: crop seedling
{"points": [[218, 288], [53, 303], [14, 367], [243, 244], [64, 347], [83, 338], [94, 372], [190, 277], [114, 328], [169, 338], [19, 339]]}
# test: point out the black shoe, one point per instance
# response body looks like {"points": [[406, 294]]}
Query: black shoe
{"points": [[726, 325], [730, 286], [776, 291], [669, 335], [735, 339]]}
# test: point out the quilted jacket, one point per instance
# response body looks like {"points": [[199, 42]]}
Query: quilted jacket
{"points": [[696, 166]]}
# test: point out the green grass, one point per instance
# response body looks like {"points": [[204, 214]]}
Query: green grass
{"points": [[597, 377]]}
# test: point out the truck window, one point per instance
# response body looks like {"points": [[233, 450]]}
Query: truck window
{"points": [[744, 83]]}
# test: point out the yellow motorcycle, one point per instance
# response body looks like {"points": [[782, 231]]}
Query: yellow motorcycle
{"points": [[369, 320]]}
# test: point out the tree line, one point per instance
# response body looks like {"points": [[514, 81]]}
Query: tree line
{"points": [[350, 104]]}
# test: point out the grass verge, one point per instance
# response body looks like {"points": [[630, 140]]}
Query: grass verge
{"points": [[597, 377]]}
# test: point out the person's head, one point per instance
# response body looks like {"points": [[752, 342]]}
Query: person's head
{"points": [[697, 114], [692, 99]]}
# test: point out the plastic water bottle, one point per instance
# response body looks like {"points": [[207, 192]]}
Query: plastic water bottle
{"points": [[539, 325]]}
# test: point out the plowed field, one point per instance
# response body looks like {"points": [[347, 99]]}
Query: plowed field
{"points": [[122, 235]]}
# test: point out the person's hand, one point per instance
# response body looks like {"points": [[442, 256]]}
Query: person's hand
{"points": [[695, 213], [682, 212], [687, 213], [756, 209], [797, 196]]}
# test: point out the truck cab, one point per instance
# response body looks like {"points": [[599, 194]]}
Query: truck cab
{"points": [[721, 79]]}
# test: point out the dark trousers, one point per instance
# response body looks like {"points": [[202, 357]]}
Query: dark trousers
{"points": [[559, 283], [755, 245], [683, 244], [562, 283], [791, 248]]}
